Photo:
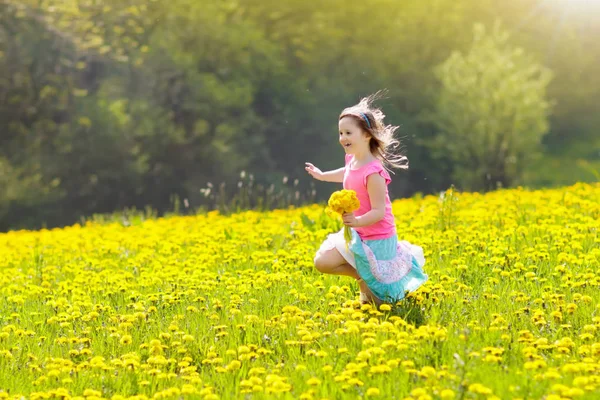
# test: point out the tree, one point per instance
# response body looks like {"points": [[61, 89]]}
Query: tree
{"points": [[120, 103], [491, 111]]}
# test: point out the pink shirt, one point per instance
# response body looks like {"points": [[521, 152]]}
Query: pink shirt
{"points": [[356, 179]]}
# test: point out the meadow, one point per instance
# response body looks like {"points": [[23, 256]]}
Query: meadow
{"points": [[218, 306]]}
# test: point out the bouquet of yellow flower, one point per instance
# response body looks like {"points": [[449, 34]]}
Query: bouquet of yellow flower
{"points": [[344, 201]]}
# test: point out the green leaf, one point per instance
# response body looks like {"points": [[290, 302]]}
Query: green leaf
{"points": [[307, 222]]}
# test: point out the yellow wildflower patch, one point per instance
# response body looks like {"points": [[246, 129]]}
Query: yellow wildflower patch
{"points": [[229, 306]]}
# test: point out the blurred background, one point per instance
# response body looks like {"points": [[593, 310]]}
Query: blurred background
{"points": [[184, 105]]}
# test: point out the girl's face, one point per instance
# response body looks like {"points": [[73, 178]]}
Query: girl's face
{"points": [[352, 138]]}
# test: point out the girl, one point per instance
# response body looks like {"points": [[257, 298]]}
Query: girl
{"points": [[384, 267]]}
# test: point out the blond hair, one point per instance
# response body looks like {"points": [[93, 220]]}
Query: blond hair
{"points": [[383, 144]]}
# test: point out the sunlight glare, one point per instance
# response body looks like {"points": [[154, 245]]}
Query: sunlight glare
{"points": [[579, 3]]}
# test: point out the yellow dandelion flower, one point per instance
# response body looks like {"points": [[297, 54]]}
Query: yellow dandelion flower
{"points": [[125, 340], [234, 365], [313, 381], [478, 388], [344, 201]]}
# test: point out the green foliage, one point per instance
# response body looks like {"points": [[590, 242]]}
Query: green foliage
{"points": [[448, 204], [23, 191], [126, 104], [491, 111], [553, 171]]}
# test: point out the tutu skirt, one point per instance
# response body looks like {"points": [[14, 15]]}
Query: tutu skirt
{"points": [[389, 267]]}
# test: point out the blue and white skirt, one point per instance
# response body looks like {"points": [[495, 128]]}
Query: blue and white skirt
{"points": [[389, 267]]}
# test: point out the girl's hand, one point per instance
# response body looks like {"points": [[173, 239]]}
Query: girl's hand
{"points": [[350, 220], [313, 171]]}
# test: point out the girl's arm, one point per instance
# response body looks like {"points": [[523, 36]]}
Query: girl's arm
{"points": [[376, 189], [336, 175]]}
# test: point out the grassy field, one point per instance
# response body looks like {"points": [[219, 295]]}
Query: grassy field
{"points": [[224, 307]]}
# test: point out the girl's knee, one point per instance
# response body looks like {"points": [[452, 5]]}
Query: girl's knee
{"points": [[321, 263]]}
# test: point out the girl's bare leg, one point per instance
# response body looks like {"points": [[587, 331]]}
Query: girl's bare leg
{"points": [[366, 295], [332, 262]]}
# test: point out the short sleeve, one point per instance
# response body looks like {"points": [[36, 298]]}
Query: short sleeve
{"points": [[377, 168]]}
